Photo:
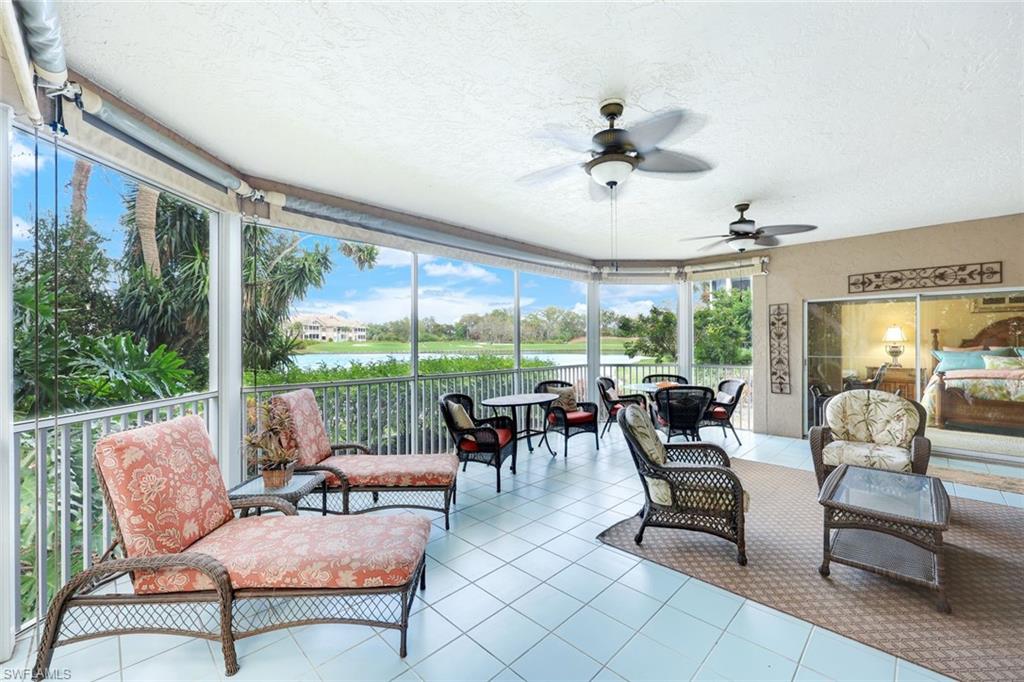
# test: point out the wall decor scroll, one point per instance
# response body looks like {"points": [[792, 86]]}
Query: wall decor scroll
{"points": [[778, 347], [927, 278]]}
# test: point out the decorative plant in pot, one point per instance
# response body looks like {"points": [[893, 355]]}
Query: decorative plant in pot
{"points": [[273, 441]]}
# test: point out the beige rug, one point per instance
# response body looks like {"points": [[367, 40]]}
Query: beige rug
{"points": [[983, 639], [994, 481]]}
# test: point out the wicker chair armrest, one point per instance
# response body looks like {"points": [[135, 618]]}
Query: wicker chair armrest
{"points": [[683, 477], [558, 411], [630, 399], [261, 501], [497, 422], [587, 407], [362, 449], [920, 453], [486, 437], [819, 437], [326, 468], [697, 453]]}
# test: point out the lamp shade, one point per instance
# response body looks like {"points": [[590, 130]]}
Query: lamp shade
{"points": [[894, 334]]}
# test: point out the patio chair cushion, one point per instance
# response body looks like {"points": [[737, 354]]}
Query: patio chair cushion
{"points": [[308, 437], [393, 470], [460, 416], [614, 409], [566, 398], [303, 552], [164, 484], [871, 455], [718, 412], [613, 393], [711, 498], [866, 416], [574, 417], [504, 438]]}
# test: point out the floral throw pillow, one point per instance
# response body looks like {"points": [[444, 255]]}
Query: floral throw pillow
{"points": [[460, 416], [566, 398]]}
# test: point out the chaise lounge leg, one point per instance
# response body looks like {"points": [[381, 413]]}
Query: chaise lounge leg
{"points": [[49, 636], [227, 636], [448, 495]]}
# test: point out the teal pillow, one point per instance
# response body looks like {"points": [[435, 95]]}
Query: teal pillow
{"points": [[950, 360]]}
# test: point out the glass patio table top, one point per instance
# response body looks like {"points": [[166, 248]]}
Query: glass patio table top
{"points": [[916, 498]]}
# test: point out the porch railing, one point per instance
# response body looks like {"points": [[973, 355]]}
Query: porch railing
{"points": [[61, 515]]}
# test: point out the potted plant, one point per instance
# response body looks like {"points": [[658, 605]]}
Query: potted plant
{"points": [[271, 439]]}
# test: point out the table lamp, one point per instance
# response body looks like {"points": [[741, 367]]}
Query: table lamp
{"points": [[894, 340]]}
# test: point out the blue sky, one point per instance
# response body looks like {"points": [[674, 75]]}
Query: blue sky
{"points": [[449, 288]]}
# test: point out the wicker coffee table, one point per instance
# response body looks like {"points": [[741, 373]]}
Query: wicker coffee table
{"points": [[887, 522], [297, 488]]}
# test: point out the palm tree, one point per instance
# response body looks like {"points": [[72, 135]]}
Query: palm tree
{"points": [[79, 188], [146, 201]]}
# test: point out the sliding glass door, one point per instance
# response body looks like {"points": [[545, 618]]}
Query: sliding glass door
{"points": [[961, 355]]}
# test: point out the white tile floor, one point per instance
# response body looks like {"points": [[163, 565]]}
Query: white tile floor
{"points": [[520, 589]]}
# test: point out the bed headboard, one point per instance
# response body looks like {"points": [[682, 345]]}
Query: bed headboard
{"points": [[1008, 332]]}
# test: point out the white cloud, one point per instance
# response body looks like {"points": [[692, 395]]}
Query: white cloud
{"points": [[23, 159], [580, 308], [21, 228], [393, 258], [460, 271], [631, 308]]}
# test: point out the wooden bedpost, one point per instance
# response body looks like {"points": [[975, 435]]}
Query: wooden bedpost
{"points": [[940, 398]]}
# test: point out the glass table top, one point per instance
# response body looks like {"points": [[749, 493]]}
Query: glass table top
{"points": [[891, 493]]}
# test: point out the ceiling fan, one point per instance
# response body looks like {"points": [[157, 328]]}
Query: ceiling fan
{"points": [[616, 152], [743, 233]]}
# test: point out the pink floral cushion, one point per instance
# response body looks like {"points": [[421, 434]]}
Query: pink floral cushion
{"points": [[165, 486], [394, 470], [308, 437], [303, 552]]}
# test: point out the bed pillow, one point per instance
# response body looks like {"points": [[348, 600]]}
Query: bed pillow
{"points": [[953, 360], [1000, 362], [964, 349]]}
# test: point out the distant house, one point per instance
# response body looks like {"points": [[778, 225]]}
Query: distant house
{"points": [[327, 328]]}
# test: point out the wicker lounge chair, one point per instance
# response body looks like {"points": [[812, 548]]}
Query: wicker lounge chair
{"points": [[613, 402], [567, 422], [488, 440], [381, 481], [688, 486], [199, 571], [871, 429]]}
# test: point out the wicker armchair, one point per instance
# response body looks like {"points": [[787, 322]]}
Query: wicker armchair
{"points": [[352, 470], [673, 378], [197, 570], [873, 429], [582, 420], [853, 383], [688, 486], [490, 441], [679, 410], [724, 404], [613, 402]]}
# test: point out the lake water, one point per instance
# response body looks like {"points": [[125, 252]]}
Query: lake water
{"points": [[306, 361]]}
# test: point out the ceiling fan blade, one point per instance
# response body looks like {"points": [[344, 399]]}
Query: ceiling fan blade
{"points": [[602, 193], [767, 240], [706, 236], [570, 138], [646, 135], [775, 230], [549, 174], [708, 247], [663, 161]]}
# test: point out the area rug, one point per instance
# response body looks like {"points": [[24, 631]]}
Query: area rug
{"points": [[983, 639], [994, 481]]}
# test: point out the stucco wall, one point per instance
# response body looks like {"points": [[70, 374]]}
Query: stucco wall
{"points": [[820, 270]]}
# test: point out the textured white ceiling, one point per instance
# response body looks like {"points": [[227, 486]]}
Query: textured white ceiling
{"points": [[857, 117]]}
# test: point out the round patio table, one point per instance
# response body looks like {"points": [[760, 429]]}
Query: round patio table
{"points": [[527, 400], [649, 388]]}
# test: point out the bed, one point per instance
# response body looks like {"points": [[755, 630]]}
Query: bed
{"points": [[990, 400]]}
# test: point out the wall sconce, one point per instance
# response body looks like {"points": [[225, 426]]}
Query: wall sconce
{"points": [[894, 341]]}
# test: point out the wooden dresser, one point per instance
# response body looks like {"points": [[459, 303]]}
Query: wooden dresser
{"points": [[901, 378]]}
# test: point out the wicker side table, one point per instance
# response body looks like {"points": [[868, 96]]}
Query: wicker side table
{"points": [[886, 522], [297, 488]]}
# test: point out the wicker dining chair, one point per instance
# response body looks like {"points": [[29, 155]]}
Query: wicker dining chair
{"points": [[197, 570], [678, 410], [613, 402], [658, 378], [689, 486], [488, 440], [724, 404], [569, 423]]}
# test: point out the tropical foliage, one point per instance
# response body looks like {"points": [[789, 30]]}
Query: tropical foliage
{"points": [[722, 329]]}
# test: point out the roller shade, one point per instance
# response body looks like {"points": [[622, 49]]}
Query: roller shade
{"points": [[746, 267]]}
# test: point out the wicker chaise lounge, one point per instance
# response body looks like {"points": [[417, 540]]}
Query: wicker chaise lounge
{"points": [[384, 481], [199, 571], [688, 486]]}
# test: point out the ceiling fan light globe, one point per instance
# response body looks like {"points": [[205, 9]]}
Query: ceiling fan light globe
{"points": [[740, 245], [611, 172]]}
